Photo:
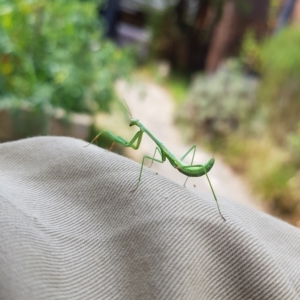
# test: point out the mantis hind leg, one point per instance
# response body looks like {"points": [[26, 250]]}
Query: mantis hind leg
{"points": [[214, 194], [193, 148]]}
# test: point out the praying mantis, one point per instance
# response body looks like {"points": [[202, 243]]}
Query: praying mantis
{"points": [[165, 153]]}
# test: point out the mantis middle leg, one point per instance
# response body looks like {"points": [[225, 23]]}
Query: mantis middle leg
{"points": [[163, 158], [156, 149], [215, 197]]}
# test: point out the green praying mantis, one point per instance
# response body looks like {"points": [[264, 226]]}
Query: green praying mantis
{"points": [[165, 153]]}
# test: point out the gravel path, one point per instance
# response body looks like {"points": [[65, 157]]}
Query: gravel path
{"points": [[153, 106]]}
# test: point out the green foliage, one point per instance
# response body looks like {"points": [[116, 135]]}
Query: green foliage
{"points": [[279, 53], [294, 146], [278, 62], [52, 54], [280, 88], [218, 104], [270, 170], [251, 51]]}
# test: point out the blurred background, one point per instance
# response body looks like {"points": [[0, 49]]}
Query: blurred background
{"points": [[222, 74]]}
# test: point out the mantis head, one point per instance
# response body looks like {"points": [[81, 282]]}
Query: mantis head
{"points": [[133, 122]]}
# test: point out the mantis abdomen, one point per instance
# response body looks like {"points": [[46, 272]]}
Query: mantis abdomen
{"points": [[197, 170]]}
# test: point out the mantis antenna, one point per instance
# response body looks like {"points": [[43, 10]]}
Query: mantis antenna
{"points": [[128, 109]]}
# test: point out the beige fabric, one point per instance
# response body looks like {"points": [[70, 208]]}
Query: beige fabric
{"points": [[71, 229]]}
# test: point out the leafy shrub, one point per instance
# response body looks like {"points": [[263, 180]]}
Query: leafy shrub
{"points": [[270, 170], [293, 146], [280, 89], [51, 53], [251, 52], [218, 104], [277, 60]]}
